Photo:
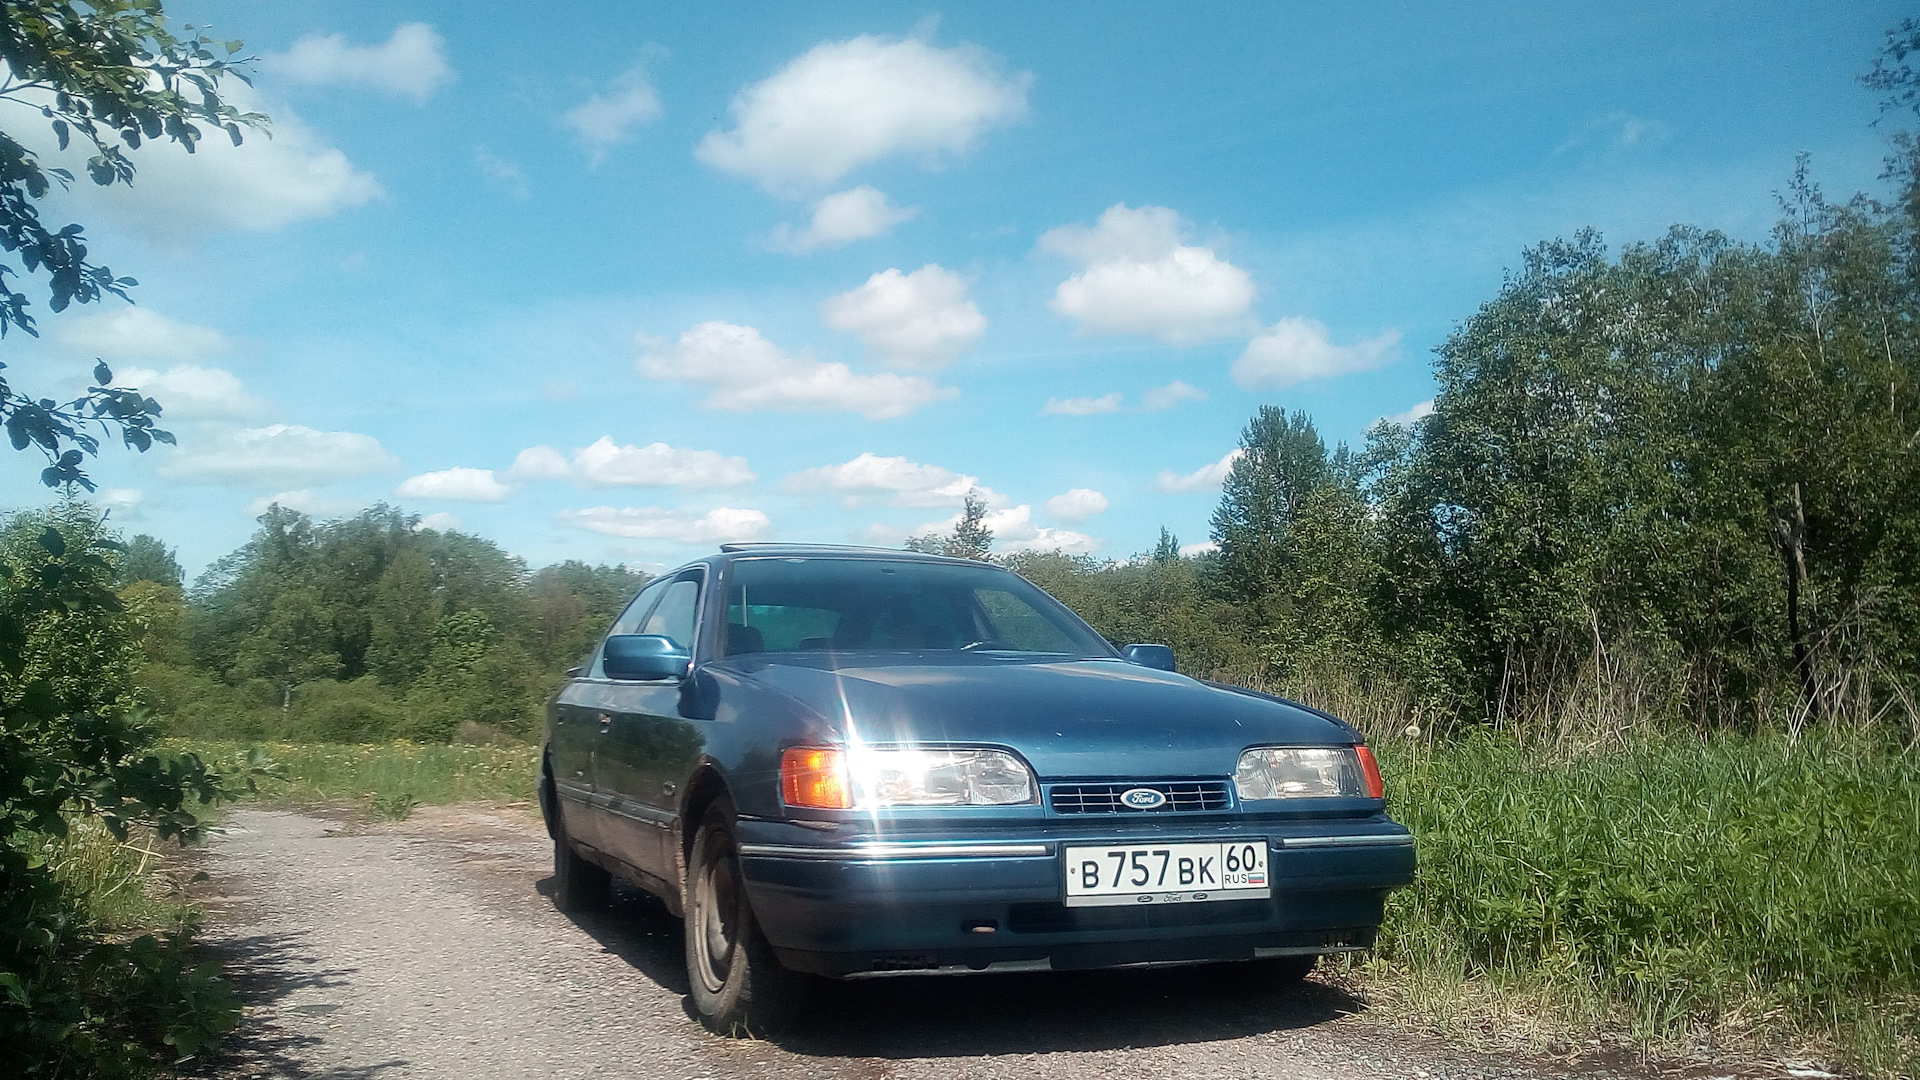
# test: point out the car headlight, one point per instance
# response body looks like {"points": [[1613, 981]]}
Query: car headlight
{"points": [[903, 776], [1306, 772]]}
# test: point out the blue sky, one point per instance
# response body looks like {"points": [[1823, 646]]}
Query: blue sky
{"points": [[621, 285]]}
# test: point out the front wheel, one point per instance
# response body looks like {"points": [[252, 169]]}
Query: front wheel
{"points": [[739, 986]]}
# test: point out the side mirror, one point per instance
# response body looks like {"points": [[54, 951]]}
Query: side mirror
{"points": [[643, 658], [1159, 657]]}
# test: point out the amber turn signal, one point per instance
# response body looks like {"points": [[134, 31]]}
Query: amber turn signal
{"points": [[810, 776], [1376, 787]]}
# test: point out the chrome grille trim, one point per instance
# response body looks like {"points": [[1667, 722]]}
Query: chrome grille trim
{"points": [[1103, 797]]}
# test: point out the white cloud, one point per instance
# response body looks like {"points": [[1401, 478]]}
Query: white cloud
{"points": [[607, 464], [1077, 505], [845, 104], [275, 456], [1162, 398], [841, 218], [1295, 350], [440, 521], [1204, 478], [1412, 416], [721, 525], [503, 172], [307, 502], [920, 320], [745, 372], [1156, 399], [1013, 530], [608, 118], [412, 63], [191, 392], [266, 183], [900, 481], [1138, 278], [1204, 547], [1082, 406], [459, 484], [137, 333], [123, 503]]}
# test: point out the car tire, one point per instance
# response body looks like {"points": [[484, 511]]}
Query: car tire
{"points": [[578, 885], [739, 988]]}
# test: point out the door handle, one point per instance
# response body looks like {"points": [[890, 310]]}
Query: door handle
{"points": [[605, 722]]}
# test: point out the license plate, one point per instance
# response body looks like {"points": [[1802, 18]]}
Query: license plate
{"points": [[1109, 875]]}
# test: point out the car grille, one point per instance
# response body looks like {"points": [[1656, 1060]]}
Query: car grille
{"points": [[1183, 796]]}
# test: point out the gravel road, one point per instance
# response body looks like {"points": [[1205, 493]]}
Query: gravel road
{"points": [[428, 948]]}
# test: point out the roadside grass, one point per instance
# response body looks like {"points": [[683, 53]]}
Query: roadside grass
{"points": [[117, 885], [1686, 893], [386, 779]]}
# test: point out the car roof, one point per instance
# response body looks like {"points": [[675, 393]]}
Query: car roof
{"points": [[784, 550]]}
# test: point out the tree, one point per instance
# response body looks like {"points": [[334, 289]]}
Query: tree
{"points": [[970, 538], [147, 559], [111, 76]]}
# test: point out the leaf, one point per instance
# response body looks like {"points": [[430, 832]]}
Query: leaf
{"points": [[55, 544], [102, 374], [60, 132]]}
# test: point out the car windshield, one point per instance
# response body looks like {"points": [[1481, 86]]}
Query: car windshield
{"points": [[806, 604]]}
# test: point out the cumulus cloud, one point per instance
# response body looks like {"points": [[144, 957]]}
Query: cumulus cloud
{"points": [[721, 525], [458, 484], [1013, 531], [1162, 398], [1082, 406], [1157, 399], [275, 456], [1412, 416], [609, 117], [841, 218], [1077, 505], [896, 479], [920, 320], [192, 392], [137, 333], [308, 502], [438, 522], [412, 63], [607, 464], [263, 184], [1295, 350], [1204, 547], [845, 104], [123, 503], [1204, 478], [1139, 278], [744, 372]]}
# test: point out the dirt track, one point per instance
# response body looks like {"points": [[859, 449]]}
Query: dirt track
{"points": [[428, 948]]}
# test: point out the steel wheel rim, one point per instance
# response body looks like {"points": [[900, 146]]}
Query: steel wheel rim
{"points": [[717, 935]]}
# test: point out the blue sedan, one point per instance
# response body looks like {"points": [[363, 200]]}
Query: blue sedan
{"points": [[857, 763]]}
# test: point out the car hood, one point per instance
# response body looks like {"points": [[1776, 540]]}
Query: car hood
{"points": [[1080, 718]]}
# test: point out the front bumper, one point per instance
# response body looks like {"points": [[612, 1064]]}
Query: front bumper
{"points": [[993, 900]]}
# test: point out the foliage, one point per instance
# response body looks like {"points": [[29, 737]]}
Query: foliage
{"points": [[111, 75], [389, 773], [148, 559], [72, 747], [970, 538]]}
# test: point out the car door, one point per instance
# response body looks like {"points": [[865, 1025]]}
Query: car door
{"points": [[580, 722], [650, 745]]}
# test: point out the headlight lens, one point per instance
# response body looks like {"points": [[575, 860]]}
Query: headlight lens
{"points": [[1300, 772], [904, 776]]}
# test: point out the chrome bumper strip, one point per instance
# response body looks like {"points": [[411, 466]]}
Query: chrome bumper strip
{"points": [[1364, 840], [871, 852]]}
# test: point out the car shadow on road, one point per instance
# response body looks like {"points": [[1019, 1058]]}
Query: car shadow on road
{"points": [[968, 1015], [268, 971]]}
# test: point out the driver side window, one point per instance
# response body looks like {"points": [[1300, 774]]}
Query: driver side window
{"points": [[630, 619], [674, 616]]}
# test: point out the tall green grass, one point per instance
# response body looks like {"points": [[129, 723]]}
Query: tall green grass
{"points": [[380, 774], [1682, 887]]}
